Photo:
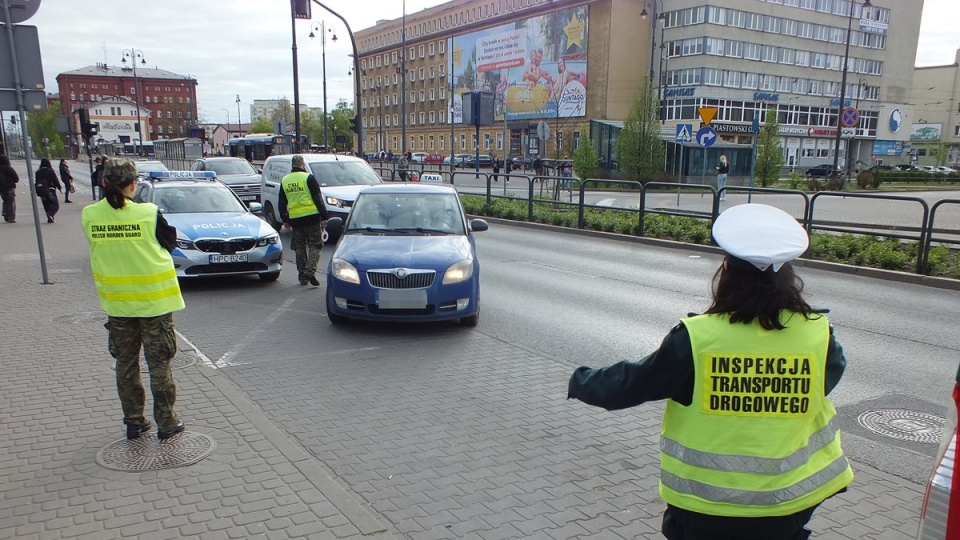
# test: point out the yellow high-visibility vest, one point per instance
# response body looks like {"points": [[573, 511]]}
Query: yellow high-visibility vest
{"points": [[299, 201], [134, 275], [758, 438]]}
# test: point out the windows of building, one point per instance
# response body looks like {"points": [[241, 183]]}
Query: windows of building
{"points": [[413, 119], [423, 117], [421, 142], [441, 140], [433, 117], [431, 49], [430, 142]]}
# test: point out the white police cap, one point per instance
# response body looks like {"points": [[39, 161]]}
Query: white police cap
{"points": [[762, 235]]}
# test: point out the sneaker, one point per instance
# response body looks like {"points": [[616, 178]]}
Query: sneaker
{"points": [[49, 219], [135, 430], [162, 435], [312, 278]]}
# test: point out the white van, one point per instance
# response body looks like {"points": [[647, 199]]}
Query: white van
{"points": [[340, 178]]}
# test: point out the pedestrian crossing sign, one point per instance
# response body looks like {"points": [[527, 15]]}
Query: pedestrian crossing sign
{"points": [[684, 132]]}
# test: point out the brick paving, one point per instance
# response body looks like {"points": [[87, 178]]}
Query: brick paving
{"points": [[431, 445]]}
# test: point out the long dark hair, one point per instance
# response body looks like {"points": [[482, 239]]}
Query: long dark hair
{"points": [[744, 292], [45, 164], [113, 191]]}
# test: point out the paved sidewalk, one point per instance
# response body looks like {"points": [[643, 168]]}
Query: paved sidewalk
{"points": [[58, 409]]}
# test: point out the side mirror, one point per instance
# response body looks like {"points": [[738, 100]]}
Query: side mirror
{"points": [[335, 226], [259, 171], [255, 208], [478, 225]]}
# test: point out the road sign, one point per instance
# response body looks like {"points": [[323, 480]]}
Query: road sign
{"points": [[756, 125], [849, 117], [706, 136], [21, 10], [848, 133], [543, 131], [706, 114], [684, 132]]}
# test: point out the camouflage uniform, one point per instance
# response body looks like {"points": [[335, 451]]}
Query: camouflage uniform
{"points": [[307, 242], [159, 347]]}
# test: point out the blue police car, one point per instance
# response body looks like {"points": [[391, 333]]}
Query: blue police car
{"points": [[217, 235]]}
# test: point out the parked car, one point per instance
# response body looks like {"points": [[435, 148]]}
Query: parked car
{"points": [[406, 253], [237, 173], [521, 162], [217, 234], [822, 171], [927, 168], [470, 161], [146, 166], [945, 170], [417, 157], [340, 178], [882, 168], [940, 513], [457, 159], [907, 167], [433, 159]]}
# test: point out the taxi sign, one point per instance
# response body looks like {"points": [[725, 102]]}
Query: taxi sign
{"points": [[706, 114], [180, 175]]}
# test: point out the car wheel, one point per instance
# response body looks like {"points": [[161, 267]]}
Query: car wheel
{"points": [[470, 321], [269, 276], [334, 318], [270, 217]]}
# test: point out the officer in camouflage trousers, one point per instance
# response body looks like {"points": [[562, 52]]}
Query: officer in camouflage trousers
{"points": [[130, 246], [302, 208]]}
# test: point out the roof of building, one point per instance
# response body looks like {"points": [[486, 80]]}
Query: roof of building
{"points": [[103, 70]]}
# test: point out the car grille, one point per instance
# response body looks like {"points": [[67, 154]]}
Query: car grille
{"points": [[230, 268], [215, 245], [245, 189], [377, 310], [415, 279]]}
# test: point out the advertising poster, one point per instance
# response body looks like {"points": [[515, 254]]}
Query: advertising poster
{"points": [[536, 67], [925, 132]]}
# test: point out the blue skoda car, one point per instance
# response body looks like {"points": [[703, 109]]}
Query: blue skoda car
{"points": [[406, 253], [217, 235]]}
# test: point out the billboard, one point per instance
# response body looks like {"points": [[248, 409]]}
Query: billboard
{"points": [[536, 67], [925, 132]]}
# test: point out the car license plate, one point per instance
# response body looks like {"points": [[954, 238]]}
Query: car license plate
{"points": [[402, 299], [248, 197], [234, 258]]}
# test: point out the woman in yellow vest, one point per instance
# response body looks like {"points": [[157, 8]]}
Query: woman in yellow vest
{"points": [[130, 246], [748, 445]]}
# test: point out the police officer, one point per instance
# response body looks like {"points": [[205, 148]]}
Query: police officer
{"points": [[130, 246], [748, 445], [302, 209]]}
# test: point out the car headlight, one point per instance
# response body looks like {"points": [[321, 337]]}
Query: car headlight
{"points": [[344, 271], [269, 240], [458, 271], [333, 201], [183, 243]]}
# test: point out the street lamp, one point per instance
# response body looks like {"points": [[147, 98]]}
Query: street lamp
{"points": [[843, 89], [323, 48], [656, 6], [134, 55], [239, 129]]}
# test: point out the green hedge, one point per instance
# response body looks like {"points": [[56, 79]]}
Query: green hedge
{"points": [[869, 251]]}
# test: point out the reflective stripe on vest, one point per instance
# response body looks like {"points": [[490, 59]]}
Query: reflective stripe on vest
{"points": [[299, 200], [757, 438], [134, 275]]}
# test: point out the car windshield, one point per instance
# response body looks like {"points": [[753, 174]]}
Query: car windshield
{"points": [[150, 166], [198, 198], [231, 166], [343, 173], [406, 213]]}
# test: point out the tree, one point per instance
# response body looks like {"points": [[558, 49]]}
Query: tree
{"points": [[585, 162], [769, 158], [639, 151], [339, 123], [43, 125], [262, 125], [283, 113]]}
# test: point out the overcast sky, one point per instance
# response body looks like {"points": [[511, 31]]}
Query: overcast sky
{"points": [[244, 46]]}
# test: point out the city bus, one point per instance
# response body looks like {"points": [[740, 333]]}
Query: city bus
{"points": [[178, 154], [257, 147]]}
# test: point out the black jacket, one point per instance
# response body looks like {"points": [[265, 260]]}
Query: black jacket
{"points": [[65, 174], [8, 177], [47, 181]]}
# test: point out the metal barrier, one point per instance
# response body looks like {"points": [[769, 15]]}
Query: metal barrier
{"points": [[925, 248], [861, 228]]}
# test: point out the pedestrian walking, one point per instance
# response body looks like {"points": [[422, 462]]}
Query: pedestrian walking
{"points": [[130, 245], [748, 445], [722, 169], [47, 186], [96, 190], [67, 180], [8, 189], [496, 169], [302, 209], [402, 166], [538, 166]]}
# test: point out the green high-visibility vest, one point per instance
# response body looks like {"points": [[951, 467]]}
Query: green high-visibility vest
{"points": [[299, 201], [758, 438], [134, 275]]}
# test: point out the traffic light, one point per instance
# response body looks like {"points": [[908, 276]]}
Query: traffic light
{"points": [[94, 128], [355, 124], [84, 122]]}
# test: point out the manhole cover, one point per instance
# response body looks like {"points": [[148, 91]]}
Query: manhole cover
{"points": [[149, 454], [904, 425], [82, 318]]}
